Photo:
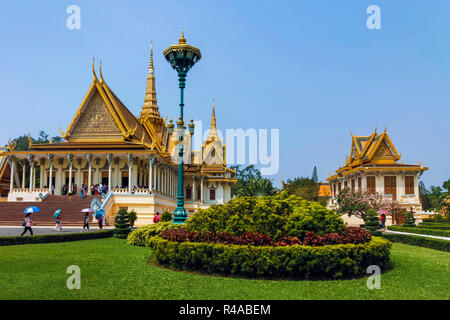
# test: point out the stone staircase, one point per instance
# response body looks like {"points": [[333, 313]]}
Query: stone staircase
{"points": [[11, 213]]}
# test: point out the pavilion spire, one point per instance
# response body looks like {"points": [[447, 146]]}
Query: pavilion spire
{"points": [[213, 134]]}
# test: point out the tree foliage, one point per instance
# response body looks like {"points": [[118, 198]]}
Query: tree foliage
{"points": [[250, 183]]}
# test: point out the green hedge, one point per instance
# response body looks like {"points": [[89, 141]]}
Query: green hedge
{"points": [[141, 236], [436, 226], [330, 261], [438, 244], [61, 237], [435, 221], [431, 232]]}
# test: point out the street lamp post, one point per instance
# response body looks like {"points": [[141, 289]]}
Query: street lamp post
{"points": [[181, 58]]}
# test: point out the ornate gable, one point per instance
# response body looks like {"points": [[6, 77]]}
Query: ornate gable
{"points": [[96, 122]]}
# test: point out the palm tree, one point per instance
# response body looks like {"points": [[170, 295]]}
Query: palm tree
{"points": [[256, 188]]}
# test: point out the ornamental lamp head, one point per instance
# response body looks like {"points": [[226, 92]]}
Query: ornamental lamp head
{"points": [[191, 127], [182, 56]]}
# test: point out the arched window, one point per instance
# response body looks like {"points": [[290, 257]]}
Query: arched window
{"points": [[212, 194]]}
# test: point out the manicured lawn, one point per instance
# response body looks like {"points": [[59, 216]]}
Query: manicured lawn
{"points": [[112, 270]]}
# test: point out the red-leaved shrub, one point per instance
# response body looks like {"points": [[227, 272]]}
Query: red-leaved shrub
{"points": [[349, 235]]}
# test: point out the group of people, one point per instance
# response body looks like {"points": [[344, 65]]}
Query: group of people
{"points": [[28, 223]]}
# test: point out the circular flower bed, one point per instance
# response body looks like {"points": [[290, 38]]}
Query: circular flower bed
{"points": [[279, 236]]}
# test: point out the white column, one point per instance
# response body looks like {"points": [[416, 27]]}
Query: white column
{"points": [[31, 162], [151, 160], [89, 159], [201, 189], [50, 181], [70, 158], [12, 163], [130, 163], [109, 157]]}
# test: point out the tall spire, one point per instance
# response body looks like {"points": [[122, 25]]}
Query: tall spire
{"points": [[213, 134], [151, 69], [150, 116], [213, 116], [150, 108]]}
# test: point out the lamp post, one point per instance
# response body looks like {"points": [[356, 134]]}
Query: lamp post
{"points": [[181, 57]]}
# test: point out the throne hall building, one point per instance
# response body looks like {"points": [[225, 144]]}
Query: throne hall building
{"points": [[135, 157], [373, 166]]}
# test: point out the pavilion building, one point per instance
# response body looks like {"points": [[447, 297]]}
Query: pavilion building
{"points": [[373, 166], [136, 158]]}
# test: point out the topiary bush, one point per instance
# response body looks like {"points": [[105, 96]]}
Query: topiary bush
{"points": [[276, 216], [132, 216], [122, 225], [166, 216], [329, 261], [372, 222], [142, 235], [409, 220]]}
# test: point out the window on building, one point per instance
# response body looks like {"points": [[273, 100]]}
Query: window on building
{"points": [[345, 184], [353, 185], [334, 190], [212, 194], [390, 186], [199, 191], [189, 193], [359, 184], [371, 187], [409, 185], [339, 187]]}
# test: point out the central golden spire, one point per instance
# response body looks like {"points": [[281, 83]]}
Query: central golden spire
{"points": [[150, 112]]}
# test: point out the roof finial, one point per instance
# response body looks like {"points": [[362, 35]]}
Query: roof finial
{"points": [[93, 68], [101, 75], [385, 128], [151, 68], [182, 40]]}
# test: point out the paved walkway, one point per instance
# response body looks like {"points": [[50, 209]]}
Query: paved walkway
{"points": [[416, 234], [17, 231]]}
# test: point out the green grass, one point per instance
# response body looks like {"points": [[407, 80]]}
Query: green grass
{"points": [[112, 270]]}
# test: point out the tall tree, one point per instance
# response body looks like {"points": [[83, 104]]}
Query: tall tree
{"points": [[314, 175]]}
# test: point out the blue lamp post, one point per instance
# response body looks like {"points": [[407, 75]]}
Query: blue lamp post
{"points": [[181, 57]]}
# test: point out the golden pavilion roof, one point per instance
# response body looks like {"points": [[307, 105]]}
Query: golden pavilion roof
{"points": [[373, 152]]}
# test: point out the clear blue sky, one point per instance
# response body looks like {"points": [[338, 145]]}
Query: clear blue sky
{"points": [[309, 68]]}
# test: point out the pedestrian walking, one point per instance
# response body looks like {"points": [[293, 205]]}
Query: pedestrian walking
{"points": [[86, 222], [27, 223]]}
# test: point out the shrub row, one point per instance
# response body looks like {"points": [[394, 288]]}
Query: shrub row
{"points": [[334, 261], [349, 235], [247, 238], [61, 237], [431, 232], [436, 226], [142, 235], [438, 244], [436, 220]]}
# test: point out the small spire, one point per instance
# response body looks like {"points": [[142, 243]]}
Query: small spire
{"points": [[151, 68], [213, 116], [182, 40]]}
